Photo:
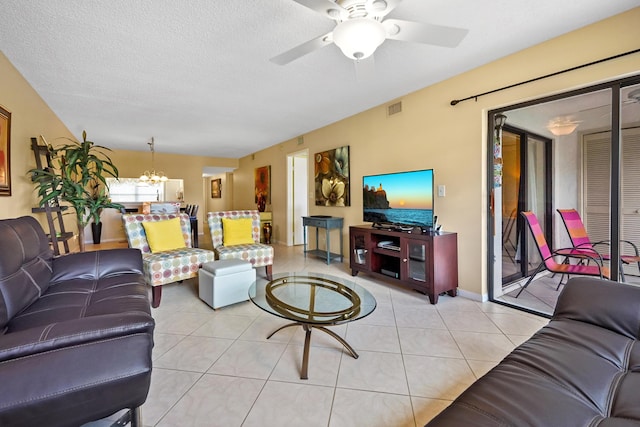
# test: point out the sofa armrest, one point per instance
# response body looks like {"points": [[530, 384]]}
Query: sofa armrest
{"points": [[72, 333], [97, 264], [611, 305]]}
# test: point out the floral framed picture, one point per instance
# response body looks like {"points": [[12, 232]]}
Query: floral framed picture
{"points": [[262, 178], [5, 152], [332, 187], [216, 188]]}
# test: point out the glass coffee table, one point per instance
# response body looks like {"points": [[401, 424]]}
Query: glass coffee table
{"points": [[313, 301]]}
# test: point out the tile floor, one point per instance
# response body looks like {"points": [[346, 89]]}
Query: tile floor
{"points": [[542, 293], [216, 368]]}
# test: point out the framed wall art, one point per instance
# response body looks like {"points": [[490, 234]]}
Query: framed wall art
{"points": [[216, 188], [332, 186], [5, 152], [262, 177]]}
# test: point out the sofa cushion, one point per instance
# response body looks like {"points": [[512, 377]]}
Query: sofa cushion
{"points": [[25, 265], [258, 254], [582, 369], [214, 220], [164, 235], [179, 264], [237, 231], [137, 238]]}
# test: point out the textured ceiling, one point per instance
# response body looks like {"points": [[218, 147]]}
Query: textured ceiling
{"points": [[196, 75]]}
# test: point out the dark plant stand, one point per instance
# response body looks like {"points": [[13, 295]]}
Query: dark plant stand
{"points": [[266, 230]]}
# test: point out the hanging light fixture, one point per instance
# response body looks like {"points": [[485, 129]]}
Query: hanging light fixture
{"points": [[560, 127], [152, 177]]}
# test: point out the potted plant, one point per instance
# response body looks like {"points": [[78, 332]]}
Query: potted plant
{"points": [[77, 179]]}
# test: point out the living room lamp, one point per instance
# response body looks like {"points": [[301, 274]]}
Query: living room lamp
{"points": [[152, 177]]}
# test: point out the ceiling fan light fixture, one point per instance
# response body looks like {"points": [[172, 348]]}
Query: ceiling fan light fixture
{"points": [[562, 127], [358, 38]]}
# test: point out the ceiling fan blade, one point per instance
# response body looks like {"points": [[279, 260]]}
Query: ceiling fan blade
{"points": [[303, 49], [381, 7], [437, 35], [328, 8], [595, 108]]}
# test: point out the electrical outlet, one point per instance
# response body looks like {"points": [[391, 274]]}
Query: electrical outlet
{"points": [[441, 191]]}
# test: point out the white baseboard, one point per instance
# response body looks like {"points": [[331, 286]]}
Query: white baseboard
{"points": [[473, 295]]}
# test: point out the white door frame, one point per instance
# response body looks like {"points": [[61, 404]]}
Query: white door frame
{"points": [[297, 195]]}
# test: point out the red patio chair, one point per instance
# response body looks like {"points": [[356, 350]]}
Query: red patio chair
{"points": [[581, 242], [549, 263]]}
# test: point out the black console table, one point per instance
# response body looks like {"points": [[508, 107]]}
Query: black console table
{"points": [[328, 223]]}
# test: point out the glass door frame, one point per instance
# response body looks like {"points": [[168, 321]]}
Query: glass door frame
{"points": [[522, 231], [615, 183]]}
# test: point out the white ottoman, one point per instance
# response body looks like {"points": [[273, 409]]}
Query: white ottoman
{"points": [[225, 282]]}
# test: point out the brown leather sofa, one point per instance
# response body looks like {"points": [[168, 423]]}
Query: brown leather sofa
{"points": [[76, 332], [582, 369]]}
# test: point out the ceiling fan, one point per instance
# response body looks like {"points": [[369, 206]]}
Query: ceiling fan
{"points": [[360, 29], [633, 97]]}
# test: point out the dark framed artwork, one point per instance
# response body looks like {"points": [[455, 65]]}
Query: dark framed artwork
{"points": [[332, 187], [216, 188], [262, 178], [5, 152]]}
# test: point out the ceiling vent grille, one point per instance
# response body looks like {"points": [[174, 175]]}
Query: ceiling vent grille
{"points": [[394, 108]]}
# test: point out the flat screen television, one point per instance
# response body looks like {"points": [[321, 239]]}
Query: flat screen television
{"points": [[399, 199]]}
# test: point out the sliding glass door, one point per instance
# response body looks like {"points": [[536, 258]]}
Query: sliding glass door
{"points": [[526, 186], [576, 151]]}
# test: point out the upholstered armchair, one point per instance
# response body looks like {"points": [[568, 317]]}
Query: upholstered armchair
{"points": [[236, 235], [168, 264]]}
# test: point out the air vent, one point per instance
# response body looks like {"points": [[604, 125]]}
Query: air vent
{"points": [[300, 140], [394, 108]]}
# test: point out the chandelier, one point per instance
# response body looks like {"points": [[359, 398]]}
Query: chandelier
{"points": [[152, 177]]}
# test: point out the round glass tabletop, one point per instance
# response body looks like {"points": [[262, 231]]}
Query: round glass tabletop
{"points": [[312, 298]]}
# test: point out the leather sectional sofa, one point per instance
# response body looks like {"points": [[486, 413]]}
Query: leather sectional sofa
{"points": [[76, 332], [582, 369]]}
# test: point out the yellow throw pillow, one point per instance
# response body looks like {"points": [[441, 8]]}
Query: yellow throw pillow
{"points": [[164, 235], [237, 231]]}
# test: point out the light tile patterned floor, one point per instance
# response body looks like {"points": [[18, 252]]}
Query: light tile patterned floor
{"points": [[216, 368]]}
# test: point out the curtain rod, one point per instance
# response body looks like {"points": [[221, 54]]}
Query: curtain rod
{"points": [[456, 101]]}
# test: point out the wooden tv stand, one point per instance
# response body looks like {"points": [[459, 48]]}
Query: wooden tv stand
{"points": [[427, 262]]}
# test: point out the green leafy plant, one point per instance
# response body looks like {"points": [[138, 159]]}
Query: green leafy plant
{"points": [[78, 179]]}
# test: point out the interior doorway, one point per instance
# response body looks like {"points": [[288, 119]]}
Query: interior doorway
{"points": [[297, 195]]}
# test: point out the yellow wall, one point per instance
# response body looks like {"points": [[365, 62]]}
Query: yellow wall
{"points": [[177, 166], [430, 133], [30, 117]]}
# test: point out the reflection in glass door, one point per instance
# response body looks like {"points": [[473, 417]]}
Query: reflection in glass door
{"points": [[511, 169], [525, 187]]}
